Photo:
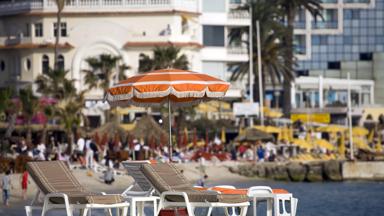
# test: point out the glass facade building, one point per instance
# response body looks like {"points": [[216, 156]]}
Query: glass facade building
{"points": [[352, 30]]}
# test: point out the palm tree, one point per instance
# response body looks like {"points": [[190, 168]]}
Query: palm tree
{"points": [[290, 9], [163, 57], [8, 108], [69, 111], [272, 50], [29, 108], [103, 73], [60, 7], [54, 84]]}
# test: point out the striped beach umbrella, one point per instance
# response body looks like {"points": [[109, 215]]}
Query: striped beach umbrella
{"points": [[172, 86]]}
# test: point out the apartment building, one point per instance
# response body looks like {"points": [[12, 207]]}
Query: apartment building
{"points": [[349, 39]]}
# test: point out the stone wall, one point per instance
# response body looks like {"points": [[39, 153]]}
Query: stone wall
{"points": [[363, 170]]}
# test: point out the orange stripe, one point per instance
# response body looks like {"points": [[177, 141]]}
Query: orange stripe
{"points": [[121, 90], [166, 77]]}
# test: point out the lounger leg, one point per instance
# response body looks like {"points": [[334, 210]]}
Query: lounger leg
{"points": [[190, 210], [159, 207], [226, 212], [294, 202], [140, 207], [155, 208], [133, 208], [84, 212], [46, 208], [28, 210], [209, 211], [124, 211], [108, 212], [277, 206], [269, 207], [254, 206], [243, 210]]}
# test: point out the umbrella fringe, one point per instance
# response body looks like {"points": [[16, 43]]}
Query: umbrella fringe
{"points": [[170, 91], [126, 103]]}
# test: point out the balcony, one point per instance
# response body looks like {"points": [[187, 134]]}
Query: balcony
{"points": [[237, 50], [21, 6], [15, 40], [225, 53]]}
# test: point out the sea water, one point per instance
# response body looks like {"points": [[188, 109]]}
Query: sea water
{"points": [[329, 198]]}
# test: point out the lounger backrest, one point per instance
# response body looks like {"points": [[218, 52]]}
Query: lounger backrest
{"points": [[53, 176], [165, 177], [133, 168]]}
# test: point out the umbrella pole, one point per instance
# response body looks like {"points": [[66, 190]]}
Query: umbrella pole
{"points": [[170, 128]]}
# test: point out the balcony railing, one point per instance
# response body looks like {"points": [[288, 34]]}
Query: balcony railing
{"points": [[237, 50], [19, 6], [238, 14]]}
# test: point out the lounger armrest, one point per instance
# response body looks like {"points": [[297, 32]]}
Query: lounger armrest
{"points": [[135, 193], [127, 190], [164, 195], [56, 195], [103, 193]]}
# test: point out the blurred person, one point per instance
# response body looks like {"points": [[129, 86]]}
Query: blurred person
{"points": [[41, 148], [24, 184], [88, 153], [248, 154], [242, 150], [6, 186], [201, 181], [260, 153], [80, 146], [109, 176], [22, 148], [137, 148]]}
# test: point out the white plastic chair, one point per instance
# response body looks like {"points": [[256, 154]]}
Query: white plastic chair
{"points": [[265, 192]]}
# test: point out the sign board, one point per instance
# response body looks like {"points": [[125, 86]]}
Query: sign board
{"points": [[246, 109], [324, 118]]}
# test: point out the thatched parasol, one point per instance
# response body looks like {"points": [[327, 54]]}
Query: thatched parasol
{"points": [[111, 129], [252, 135], [147, 127]]}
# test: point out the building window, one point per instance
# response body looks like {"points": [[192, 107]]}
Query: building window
{"points": [[213, 36], [28, 64], [216, 5], [38, 29], [63, 29], [45, 64], [320, 40], [2, 65], [334, 65], [27, 32], [366, 56], [302, 73], [60, 62]]}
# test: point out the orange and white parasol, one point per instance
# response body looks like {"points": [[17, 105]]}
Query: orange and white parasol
{"points": [[173, 86]]}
